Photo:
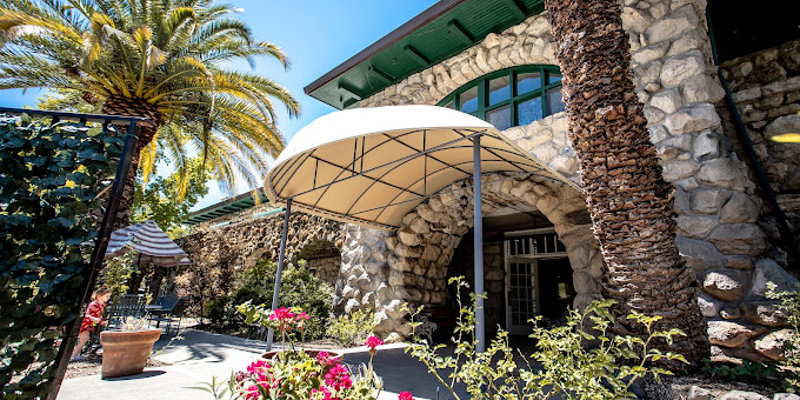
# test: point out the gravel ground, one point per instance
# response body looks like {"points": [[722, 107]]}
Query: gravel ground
{"points": [[92, 364]]}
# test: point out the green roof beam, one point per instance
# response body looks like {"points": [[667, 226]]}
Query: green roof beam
{"points": [[456, 30], [415, 55], [512, 6]]}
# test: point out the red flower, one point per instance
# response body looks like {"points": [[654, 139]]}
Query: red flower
{"points": [[257, 366], [338, 377], [324, 358], [405, 396], [281, 314], [373, 342]]}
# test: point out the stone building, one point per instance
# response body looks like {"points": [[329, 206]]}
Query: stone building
{"points": [[495, 59]]}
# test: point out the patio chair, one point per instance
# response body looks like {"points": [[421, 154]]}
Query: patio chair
{"points": [[129, 305], [171, 315]]}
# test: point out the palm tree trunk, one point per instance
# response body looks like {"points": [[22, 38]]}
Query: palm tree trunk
{"points": [[630, 203], [132, 107]]}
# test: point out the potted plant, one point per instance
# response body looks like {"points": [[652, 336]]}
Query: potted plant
{"points": [[126, 350]]}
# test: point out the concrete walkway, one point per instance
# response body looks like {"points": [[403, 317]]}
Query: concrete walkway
{"points": [[202, 355]]}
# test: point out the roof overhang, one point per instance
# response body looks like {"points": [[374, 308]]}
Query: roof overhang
{"points": [[224, 207], [442, 31]]}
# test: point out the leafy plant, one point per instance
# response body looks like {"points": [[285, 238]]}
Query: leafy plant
{"points": [[747, 370], [352, 329], [299, 288], [116, 274], [168, 200], [134, 324], [565, 368], [790, 307], [50, 176]]}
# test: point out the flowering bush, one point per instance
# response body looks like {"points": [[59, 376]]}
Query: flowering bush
{"points": [[298, 374]]}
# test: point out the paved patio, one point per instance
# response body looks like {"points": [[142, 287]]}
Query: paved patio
{"points": [[201, 355]]}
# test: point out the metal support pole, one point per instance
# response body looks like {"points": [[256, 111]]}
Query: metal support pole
{"points": [[281, 253], [480, 315], [100, 246]]}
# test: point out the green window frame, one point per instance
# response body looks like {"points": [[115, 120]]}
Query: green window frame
{"points": [[492, 104]]}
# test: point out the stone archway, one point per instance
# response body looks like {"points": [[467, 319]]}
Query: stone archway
{"points": [[323, 259], [413, 265]]}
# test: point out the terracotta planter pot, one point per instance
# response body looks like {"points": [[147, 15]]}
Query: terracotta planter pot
{"points": [[126, 353], [313, 353]]}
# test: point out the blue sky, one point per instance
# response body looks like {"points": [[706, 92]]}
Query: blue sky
{"points": [[317, 35]]}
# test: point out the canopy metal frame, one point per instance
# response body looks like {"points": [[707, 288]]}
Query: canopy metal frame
{"points": [[350, 171]]}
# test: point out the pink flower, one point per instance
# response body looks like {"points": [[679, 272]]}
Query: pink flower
{"points": [[324, 358], [257, 366], [253, 392], [373, 342], [338, 377], [281, 314], [405, 396], [302, 316]]}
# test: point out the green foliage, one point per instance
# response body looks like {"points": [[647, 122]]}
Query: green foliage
{"points": [[116, 274], [171, 56], [566, 368], [299, 288], [168, 201], [49, 179], [790, 307], [746, 371], [352, 329]]}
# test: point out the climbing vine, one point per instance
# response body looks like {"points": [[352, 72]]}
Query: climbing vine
{"points": [[50, 177]]}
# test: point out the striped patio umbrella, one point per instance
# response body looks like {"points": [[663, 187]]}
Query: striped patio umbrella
{"points": [[152, 244]]}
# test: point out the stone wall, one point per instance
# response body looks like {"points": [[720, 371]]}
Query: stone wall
{"points": [[240, 245], [716, 204], [766, 88]]}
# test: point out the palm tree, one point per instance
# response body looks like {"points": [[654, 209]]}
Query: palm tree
{"points": [[164, 60], [630, 203]]}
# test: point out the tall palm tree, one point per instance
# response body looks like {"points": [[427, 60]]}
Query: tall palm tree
{"points": [[164, 60], [630, 203]]}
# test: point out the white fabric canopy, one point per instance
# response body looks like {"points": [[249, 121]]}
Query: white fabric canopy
{"points": [[371, 166], [152, 244]]}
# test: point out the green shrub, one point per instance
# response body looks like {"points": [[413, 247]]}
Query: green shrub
{"points": [[352, 329], [299, 288], [790, 307], [115, 275], [566, 368], [746, 371]]}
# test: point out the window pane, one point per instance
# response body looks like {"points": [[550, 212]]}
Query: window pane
{"points": [[499, 90], [527, 82], [529, 111], [554, 102], [499, 117], [553, 77], [449, 104], [469, 100]]}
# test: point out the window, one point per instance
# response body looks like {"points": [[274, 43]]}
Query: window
{"points": [[510, 97]]}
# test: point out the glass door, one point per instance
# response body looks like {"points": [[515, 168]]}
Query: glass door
{"points": [[522, 299]]}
